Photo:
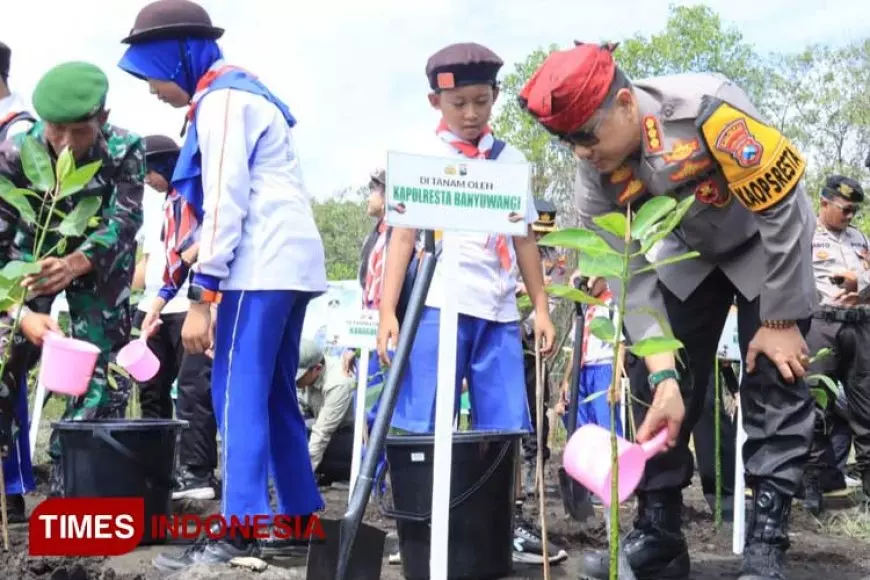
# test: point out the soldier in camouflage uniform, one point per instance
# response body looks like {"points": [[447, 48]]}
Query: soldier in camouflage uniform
{"points": [[95, 270]]}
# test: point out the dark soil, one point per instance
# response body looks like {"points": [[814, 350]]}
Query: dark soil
{"points": [[816, 553]]}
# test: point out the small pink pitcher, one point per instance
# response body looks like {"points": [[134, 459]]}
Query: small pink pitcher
{"points": [[587, 459], [137, 359], [67, 364]]}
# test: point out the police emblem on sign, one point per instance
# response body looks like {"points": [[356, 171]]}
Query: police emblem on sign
{"points": [[736, 140]]}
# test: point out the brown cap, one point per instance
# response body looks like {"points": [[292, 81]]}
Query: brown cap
{"points": [[165, 19], [462, 64], [158, 144]]}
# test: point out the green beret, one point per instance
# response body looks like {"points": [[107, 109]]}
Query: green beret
{"points": [[70, 92]]}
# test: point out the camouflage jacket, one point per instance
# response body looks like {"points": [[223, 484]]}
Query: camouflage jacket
{"points": [[110, 244]]}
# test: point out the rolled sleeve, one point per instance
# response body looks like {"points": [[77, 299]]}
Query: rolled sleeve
{"points": [[224, 125], [643, 292]]}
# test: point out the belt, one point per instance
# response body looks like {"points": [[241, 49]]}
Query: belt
{"points": [[853, 315]]}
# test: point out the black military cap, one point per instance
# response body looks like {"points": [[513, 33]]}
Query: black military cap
{"points": [[848, 189], [160, 144], [462, 64], [5, 59], [165, 19], [546, 221]]}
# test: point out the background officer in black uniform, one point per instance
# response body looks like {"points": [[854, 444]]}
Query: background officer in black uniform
{"points": [[840, 263]]}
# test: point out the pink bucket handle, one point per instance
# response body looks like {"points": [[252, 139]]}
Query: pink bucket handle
{"points": [[147, 332], [655, 445], [52, 334]]}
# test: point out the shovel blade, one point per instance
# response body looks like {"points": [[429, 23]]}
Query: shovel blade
{"points": [[575, 497], [366, 557]]}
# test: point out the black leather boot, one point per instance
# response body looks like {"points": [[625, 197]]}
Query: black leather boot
{"points": [[656, 548], [813, 498], [766, 535], [15, 509]]}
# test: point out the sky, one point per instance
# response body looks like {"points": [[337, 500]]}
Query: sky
{"points": [[352, 72]]}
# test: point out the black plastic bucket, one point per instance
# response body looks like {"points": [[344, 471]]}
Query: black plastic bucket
{"points": [[481, 502], [122, 458]]}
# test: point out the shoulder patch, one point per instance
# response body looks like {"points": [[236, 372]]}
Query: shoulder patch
{"points": [[760, 164]]}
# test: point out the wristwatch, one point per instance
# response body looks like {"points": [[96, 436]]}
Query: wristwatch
{"points": [[200, 295], [656, 378], [778, 324]]}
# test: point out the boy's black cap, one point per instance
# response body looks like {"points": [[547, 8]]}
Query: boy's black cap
{"points": [[160, 144], [841, 186], [5, 59], [172, 19], [461, 65]]}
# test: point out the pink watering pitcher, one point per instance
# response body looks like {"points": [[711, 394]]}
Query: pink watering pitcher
{"points": [[587, 459], [139, 360], [67, 364]]}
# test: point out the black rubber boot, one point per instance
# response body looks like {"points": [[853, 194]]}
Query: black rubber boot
{"points": [[656, 548], [813, 498], [766, 535], [15, 509]]}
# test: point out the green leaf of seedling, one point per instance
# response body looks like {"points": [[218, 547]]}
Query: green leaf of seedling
{"points": [[78, 179], [824, 381], [822, 354], [75, 224], [65, 165], [577, 239], [600, 264], [37, 164], [821, 397], [562, 291], [655, 345], [661, 229], [594, 396], [17, 198], [16, 269], [666, 261], [5, 185], [602, 329], [650, 214], [613, 223], [524, 302], [61, 247]]}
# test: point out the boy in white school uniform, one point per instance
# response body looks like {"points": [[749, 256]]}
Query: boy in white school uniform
{"points": [[261, 260], [463, 79]]}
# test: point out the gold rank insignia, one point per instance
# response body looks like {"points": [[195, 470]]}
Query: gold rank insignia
{"points": [[845, 190], [822, 255], [621, 174], [682, 150], [546, 222], [633, 189], [690, 168], [652, 134]]}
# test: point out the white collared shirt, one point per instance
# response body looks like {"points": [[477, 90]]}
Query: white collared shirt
{"points": [[258, 230], [485, 290]]}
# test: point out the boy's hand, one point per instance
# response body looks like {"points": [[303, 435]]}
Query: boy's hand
{"points": [[35, 326], [388, 335], [545, 333]]}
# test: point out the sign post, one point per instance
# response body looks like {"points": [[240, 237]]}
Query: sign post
{"points": [[359, 330], [463, 195]]}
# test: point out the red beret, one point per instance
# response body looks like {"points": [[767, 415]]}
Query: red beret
{"points": [[569, 86]]}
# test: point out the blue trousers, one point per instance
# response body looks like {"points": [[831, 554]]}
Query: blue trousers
{"points": [[488, 354], [595, 379], [254, 395], [17, 469]]}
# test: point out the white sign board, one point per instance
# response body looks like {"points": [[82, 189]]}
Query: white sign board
{"points": [[341, 302], [729, 346], [474, 195], [357, 331]]}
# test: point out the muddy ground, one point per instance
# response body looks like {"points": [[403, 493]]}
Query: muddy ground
{"points": [[827, 549]]}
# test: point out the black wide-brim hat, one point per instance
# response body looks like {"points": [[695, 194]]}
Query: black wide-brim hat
{"points": [[159, 145], [167, 19]]}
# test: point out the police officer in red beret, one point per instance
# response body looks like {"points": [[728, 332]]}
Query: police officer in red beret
{"points": [[698, 135]]}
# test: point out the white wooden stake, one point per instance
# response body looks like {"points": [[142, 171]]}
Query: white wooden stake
{"points": [[359, 421], [445, 403], [739, 534]]}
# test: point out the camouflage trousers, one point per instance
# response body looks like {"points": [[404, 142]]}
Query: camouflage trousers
{"points": [[108, 328]]}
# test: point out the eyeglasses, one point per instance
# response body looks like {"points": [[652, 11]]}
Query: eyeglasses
{"points": [[846, 209]]}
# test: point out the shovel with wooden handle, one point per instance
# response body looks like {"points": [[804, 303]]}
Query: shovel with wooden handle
{"points": [[575, 498]]}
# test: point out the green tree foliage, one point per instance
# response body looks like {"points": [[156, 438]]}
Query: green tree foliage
{"points": [[343, 225]]}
